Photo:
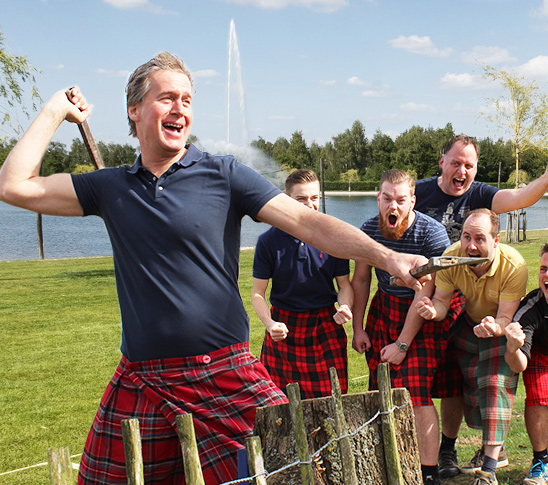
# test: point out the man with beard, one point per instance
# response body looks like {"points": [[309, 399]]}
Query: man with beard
{"points": [[394, 334], [448, 198], [493, 291], [527, 352]]}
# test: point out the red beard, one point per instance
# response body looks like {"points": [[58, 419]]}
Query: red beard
{"points": [[393, 233]]}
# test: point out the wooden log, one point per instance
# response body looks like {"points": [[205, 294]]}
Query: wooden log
{"points": [[341, 429], [60, 466], [297, 417], [391, 452], [133, 452], [255, 460], [189, 447]]}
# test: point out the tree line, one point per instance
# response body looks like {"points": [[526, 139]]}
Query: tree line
{"points": [[350, 158]]}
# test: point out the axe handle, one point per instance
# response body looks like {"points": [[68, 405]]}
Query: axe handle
{"points": [[89, 141], [91, 146]]}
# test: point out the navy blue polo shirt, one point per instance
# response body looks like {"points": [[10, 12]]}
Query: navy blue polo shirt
{"points": [[176, 245], [302, 276]]}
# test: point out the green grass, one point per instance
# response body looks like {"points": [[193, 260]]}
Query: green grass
{"points": [[60, 345]]}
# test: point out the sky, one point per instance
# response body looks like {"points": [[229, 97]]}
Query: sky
{"points": [[314, 66]]}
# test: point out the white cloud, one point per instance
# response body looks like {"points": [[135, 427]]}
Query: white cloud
{"points": [[536, 68], [327, 6], [541, 11], [462, 81], [481, 54], [139, 5], [424, 108], [377, 92], [281, 117], [110, 73], [205, 73], [356, 81], [59, 66], [419, 45], [328, 82]]}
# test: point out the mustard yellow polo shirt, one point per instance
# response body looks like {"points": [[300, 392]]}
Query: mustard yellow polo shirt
{"points": [[506, 280]]}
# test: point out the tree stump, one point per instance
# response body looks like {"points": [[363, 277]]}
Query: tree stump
{"points": [[274, 426]]}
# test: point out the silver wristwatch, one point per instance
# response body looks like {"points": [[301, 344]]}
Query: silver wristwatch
{"points": [[402, 346]]}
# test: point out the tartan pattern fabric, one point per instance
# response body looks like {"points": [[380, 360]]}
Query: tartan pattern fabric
{"points": [[385, 321], [222, 391], [535, 379], [448, 378], [313, 345], [489, 385]]}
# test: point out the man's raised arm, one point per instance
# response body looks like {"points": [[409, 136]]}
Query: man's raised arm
{"points": [[507, 200], [338, 238], [20, 183]]}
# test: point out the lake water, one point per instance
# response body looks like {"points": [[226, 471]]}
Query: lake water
{"points": [[68, 237]]}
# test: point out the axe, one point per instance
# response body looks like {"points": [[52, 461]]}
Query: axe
{"points": [[89, 141], [438, 263]]}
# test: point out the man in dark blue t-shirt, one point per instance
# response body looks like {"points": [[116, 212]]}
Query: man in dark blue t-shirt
{"points": [[448, 198]]}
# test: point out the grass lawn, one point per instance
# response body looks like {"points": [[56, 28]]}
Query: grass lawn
{"points": [[61, 335]]}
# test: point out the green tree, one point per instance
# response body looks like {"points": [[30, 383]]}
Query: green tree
{"points": [[15, 71], [350, 177], [78, 155], [298, 151], [352, 148], [381, 148], [521, 112], [55, 159]]}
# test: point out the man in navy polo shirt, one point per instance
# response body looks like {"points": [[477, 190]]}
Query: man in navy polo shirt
{"points": [[305, 336], [174, 221]]}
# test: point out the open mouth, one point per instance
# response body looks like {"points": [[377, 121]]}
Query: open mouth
{"points": [[459, 183], [174, 127], [392, 220]]}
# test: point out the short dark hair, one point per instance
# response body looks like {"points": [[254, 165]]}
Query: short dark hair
{"points": [[464, 139], [493, 216], [544, 249], [395, 176], [300, 176]]}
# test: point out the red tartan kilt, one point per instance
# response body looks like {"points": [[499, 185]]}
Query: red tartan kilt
{"points": [[385, 321], [313, 345], [221, 389], [535, 379]]}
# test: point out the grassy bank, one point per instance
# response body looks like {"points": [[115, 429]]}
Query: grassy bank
{"points": [[60, 345]]}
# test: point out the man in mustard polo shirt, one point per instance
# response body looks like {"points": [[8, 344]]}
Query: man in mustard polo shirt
{"points": [[492, 291]]}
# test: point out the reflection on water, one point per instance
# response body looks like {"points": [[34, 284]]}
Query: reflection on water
{"points": [[66, 237]]}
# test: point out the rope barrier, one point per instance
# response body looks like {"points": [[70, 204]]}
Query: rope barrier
{"points": [[319, 450], [74, 465]]}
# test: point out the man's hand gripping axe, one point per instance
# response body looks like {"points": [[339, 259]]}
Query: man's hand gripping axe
{"points": [[438, 263], [89, 141]]}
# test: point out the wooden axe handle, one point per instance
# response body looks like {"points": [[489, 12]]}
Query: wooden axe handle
{"points": [[89, 141]]}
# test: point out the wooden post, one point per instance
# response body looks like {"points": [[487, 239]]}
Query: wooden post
{"points": [[301, 440], [255, 461], [133, 452], [341, 428], [322, 185], [391, 453], [189, 447], [60, 466]]}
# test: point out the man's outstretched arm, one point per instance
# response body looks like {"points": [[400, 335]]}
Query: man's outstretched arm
{"points": [[338, 238]]}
